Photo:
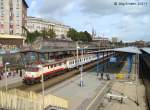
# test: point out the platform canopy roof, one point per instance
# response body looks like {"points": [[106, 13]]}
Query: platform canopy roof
{"points": [[147, 50], [133, 50]]}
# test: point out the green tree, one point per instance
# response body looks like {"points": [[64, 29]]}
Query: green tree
{"points": [[73, 34], [44, 33], [32, 36], [51, 33], [88, 36], [82, 37], [79, 36]]}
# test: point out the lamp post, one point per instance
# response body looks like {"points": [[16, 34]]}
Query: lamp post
{"points": [[6, 83], [42, 82], [77, 47], [81, 69], [137, 77]]}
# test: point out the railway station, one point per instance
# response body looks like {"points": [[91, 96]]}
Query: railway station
{"points": [[89, 80], [91, 57]]}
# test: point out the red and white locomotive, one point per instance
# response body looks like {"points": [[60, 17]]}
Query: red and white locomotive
{"points": [[34, 72]]}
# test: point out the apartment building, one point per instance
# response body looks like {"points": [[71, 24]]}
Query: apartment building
{"points": [[38, 24], [13, 16]]}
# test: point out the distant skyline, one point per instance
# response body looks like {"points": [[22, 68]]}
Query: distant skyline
{"points": [[128, 22]]}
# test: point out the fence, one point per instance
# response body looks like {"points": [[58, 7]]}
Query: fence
{"points": [[19, 100], [125, 76], [119, 76]]}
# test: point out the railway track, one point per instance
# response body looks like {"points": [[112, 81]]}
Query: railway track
{"points": [[57, 79]]}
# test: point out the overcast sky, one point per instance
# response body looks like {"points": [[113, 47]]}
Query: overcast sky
{"points": [[128, 22]]}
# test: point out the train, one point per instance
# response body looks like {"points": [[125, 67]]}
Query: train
{"points": [[34, 72]]}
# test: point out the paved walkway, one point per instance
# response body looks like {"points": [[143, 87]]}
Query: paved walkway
{"points": [[126, 89], [79, 97], [10, 80]]}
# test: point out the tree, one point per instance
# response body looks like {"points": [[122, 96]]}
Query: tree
{"points": [[79, 36], [51, 33], [82, 37], [88, 36], [32, 36], [73, 34], [43, 33]]}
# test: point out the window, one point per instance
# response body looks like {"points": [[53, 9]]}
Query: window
{"points": [[1, 2], [1, 26], [17, 13]]}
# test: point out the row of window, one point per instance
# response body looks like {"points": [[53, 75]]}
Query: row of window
{"points": [[55, 65], [84, 59]]}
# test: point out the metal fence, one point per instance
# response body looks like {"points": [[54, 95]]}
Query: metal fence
{"points": [[118, 76], [19, 100]]}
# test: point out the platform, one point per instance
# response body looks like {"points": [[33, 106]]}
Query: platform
{"points": [[127, 89], [12, 81], [78, 97]]}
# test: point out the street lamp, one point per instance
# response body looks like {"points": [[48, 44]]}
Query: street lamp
{"points": [[42, 82], [77, 47], [81, 69], [6, 84]]}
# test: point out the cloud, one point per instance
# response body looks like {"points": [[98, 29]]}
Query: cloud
{"points": [[134, 28], [107, 7], [126, 22], [55, 8]]}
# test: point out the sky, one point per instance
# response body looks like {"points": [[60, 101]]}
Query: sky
{"points": [[109, 18]]}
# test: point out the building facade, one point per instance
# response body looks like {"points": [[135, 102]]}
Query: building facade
{"points": [[13, 17], [38, 24], [101, 42], [115, 40], [140, 43]]}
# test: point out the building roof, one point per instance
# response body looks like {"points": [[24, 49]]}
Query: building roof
{"points": [[25, 3], [54, 22], [5, 36], [147, 50]]}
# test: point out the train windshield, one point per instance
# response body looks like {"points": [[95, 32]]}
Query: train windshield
{"points": [[32, 69]]}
